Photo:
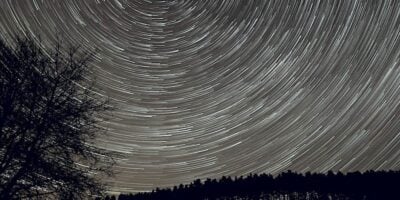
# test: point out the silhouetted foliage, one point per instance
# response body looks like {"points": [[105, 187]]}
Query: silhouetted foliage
{"points": [[287, 185], [48, 123]]}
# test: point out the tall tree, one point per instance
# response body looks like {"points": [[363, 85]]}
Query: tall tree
{"points": [[48, 123]]}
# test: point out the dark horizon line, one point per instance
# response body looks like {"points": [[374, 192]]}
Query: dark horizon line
{"points": [[367, 184]]}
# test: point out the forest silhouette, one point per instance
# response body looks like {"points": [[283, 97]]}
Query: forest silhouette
{"points": [[376, 185], [48, 151]]}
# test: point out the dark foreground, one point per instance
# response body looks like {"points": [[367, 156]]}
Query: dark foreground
{"points": [[380, 185]]}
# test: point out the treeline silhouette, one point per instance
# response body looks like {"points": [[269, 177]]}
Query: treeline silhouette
{"points": [[382, 185]]}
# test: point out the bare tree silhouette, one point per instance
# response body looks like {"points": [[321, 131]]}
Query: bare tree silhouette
{"points": [[48, 124]]}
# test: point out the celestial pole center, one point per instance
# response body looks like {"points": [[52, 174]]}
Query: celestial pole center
{"points": [[205, 89]]}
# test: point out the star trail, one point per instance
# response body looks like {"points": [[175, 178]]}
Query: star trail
{"points": [[209, 88]]}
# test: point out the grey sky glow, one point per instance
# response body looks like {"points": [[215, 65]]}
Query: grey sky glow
{"points": [[206, 88]]}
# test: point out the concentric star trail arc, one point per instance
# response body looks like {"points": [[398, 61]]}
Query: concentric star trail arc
{"points": [[230, 87]]}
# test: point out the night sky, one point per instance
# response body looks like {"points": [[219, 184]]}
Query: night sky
{"points": [[206, 88]]}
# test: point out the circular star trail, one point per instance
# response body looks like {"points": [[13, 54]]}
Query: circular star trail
{"points": [[230, 87]]}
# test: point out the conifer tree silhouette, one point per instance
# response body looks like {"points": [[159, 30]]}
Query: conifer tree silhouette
{"points": [[287, 185]]}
